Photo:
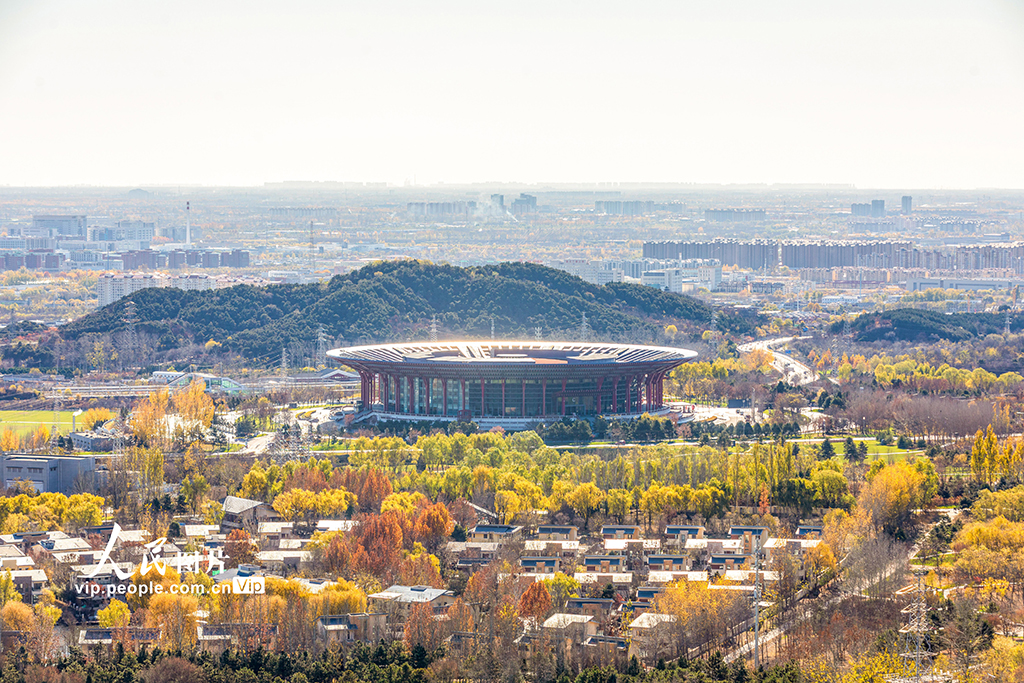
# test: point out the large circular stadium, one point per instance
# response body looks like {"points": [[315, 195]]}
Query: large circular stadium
{"points": [[510, 383]]}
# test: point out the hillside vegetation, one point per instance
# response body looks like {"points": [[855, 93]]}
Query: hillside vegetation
{"points": [[393, 301], [909, 324]]}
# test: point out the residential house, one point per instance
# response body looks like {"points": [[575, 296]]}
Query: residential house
{"points": [[752, 536], [29, 583], [599, 608], [568, 632], [540, 565], [240, 637], [242, 513], [658, 578], [133, 638], [653, 636], [494, 533], [676, 534], [599, 651], [797, 548], [360, 627], [557, 532], [669, 563], [398, 600], [621, 531], [646, 594]]}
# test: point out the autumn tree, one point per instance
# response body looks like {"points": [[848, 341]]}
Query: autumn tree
{"points": [[239, 548], [560, 588], [536, 602], [376, 488], [585, 500], [175, 615], [893, 493], [115, 615], [433, 525], [421, 628], [618, 503], [380, 541]]}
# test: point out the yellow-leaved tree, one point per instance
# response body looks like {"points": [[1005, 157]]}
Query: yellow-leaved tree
{"points": [[115, 615]]}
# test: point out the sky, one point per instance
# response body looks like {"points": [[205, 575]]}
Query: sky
{"points": [[884, 94]]}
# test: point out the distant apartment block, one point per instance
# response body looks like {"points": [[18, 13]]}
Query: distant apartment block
{"points": [[112, 286], [58, 226], [593, 272], [317, 212], [524, 204], [440, 209], [876, 209], [753, 254], [624, 208], [132, 231], [907, 204], [734, 215]]}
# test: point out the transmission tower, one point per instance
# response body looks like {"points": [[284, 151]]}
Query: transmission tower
{"points": [[130, 318], [1006, 324], [584, 328], [757, 600], [284, 361], [915, 646], [298, 445], [492, 328], [321, 346], [433, 329], [538, 333]]}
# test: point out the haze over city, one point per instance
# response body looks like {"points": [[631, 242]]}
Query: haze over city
{"points": [[914, 94], [470, 342]]}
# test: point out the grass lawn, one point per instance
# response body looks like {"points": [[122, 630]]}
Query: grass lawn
{"points": [[946, 560], [22, 421]]}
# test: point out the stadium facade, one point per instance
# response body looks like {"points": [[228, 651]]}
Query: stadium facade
{"points": [[509, 383]]}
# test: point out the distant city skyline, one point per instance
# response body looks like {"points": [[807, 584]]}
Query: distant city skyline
{"points": [[873, 94]]}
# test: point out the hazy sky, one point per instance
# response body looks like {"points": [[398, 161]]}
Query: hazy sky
{"points": [[882, 94]]}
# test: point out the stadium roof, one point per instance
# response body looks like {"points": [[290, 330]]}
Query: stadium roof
{"points": [[511, 352]]}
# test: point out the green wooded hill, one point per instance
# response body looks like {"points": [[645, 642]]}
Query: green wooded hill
{"points": [[909, 324], [395, 301]]}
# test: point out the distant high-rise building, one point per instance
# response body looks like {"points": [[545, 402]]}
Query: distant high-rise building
{"points": [[627, 208], [498, 202], [908, 204], [860, 210], [878, 208], [59, 226], [438, 209], [734, 215], [754, 254], [524, 204]]}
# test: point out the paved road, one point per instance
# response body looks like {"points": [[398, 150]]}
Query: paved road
{"points": [[795, 372]]}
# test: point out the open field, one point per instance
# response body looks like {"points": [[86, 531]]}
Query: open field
{"points": [[22, 421]]}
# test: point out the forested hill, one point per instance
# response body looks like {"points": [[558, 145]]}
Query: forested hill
{"points": [[392, 301], [909, 324]]}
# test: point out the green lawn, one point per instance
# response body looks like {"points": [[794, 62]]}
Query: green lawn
{"points": [[22, 421]]}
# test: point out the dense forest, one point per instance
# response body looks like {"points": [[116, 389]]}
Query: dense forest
{"points": [[394, 301]]}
